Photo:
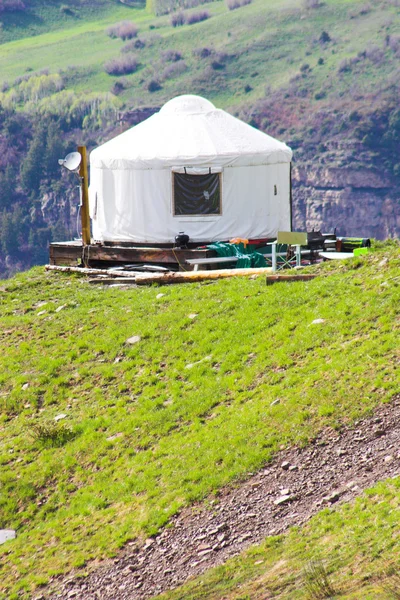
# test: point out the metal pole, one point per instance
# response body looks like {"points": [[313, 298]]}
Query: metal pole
{"points": [[83, 173], [273, 256], [298, 256]]}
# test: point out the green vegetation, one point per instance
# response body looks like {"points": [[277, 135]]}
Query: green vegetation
{"points": [[351, 551], [153, 426], [35, 17], [266, 43]]}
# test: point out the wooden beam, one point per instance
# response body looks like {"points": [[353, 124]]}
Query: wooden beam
{"points": [[65, 255], [70, 252], [146, 255], [84, 271], [193, 276], [83, 172]]}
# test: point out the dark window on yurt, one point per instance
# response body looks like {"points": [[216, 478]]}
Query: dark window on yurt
{"points": [[197, 194]]}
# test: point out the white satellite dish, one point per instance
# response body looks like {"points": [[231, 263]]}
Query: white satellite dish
{"points": [[71, 162]]}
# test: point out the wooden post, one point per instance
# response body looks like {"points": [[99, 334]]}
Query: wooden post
{"points": [[83, 172]]}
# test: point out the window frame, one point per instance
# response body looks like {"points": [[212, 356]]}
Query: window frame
{"points": [[197, 215]]}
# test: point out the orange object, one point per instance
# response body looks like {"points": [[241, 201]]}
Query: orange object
{"points": [[239, 241]]}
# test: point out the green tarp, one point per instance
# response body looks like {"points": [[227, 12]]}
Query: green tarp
{"points": [[247, 258]]}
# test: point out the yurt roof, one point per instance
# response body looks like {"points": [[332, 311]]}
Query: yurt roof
{"points": [[189, 130]]}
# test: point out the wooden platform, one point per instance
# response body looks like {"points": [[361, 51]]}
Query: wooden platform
{"points": [[99, 255]]}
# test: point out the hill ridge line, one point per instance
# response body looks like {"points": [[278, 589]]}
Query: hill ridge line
{"points": [[335, 467]]}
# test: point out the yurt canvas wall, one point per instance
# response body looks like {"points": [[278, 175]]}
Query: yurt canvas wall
{"points": [[191, 168]]}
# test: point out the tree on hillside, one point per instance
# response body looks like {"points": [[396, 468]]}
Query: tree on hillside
{"points": [[32, 167], [12, 5], [55, 149], [13, 227], [7, 187]]}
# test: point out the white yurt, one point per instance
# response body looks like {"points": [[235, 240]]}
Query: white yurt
{"points": [[190, 168]]}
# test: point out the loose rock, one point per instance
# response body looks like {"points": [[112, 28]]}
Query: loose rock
{"points": [[133, 340]]}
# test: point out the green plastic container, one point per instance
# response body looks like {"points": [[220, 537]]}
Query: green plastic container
{"points": [[360, 251]]}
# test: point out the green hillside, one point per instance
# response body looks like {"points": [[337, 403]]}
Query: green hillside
{"points": [[261, 45], [35, 17], [149, 427]]}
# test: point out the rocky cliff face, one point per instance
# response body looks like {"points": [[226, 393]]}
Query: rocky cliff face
{"points": [[359, 202]]}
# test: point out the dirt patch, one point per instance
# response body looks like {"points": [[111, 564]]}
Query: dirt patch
{"points": [[335, 468]]}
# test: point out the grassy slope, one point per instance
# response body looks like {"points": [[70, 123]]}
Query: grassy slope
{"points": [[182, 432], [266, 42], [44, 16]]}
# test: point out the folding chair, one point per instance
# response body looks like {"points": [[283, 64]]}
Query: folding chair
{"points": [[289, 238]]}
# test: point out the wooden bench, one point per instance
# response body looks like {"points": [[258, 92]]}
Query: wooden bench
{"points": [[211, 261], [230, 259]]}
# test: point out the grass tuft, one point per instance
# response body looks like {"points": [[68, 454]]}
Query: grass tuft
{"points": [[317, 581], [52, 435]]}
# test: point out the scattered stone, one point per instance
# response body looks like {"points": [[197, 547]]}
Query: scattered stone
{"points": [[285, 465], [258, 562], [275, 402], [7, 534], [160, 296], [60, 416], [60, 308], [203, 547], [389, 458], [117, 360], [379, 432], [133, 340], [114, 437], [204, 552], [341, 452], [41, 312], [318, 322], [25, 386], [192, 316], [332, 498], [191, 365], [283, 500], [285, 492], [293, 468]]}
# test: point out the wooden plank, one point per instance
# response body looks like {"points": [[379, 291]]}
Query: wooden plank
{"points": [[211, 261], [193, 276], [91, 272], [65, 255], [145, 255]]}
